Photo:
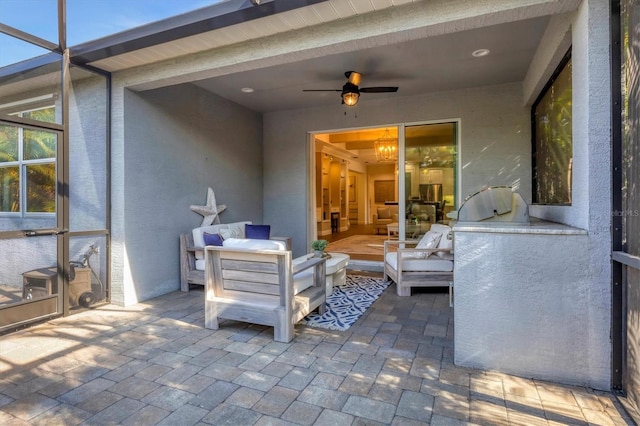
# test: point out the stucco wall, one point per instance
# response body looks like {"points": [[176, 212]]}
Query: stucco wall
{"points": [[178, 141], [523, 307], [568, 279], [495, 138]]}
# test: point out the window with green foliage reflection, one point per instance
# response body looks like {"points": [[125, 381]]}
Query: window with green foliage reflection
{"points": [[28, 167], [552, 139]]}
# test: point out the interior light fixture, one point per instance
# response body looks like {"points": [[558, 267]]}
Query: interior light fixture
{"points": [[386, 148], [247, 90]]}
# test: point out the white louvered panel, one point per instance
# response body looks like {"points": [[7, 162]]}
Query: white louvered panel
{"points": [[231, 34], [250, 31], [205, 41], [362, 6], [382, 4], [111, 64], [270, 26], [284, 25], [343, 8], [401, 2], [217, 38], [308, 16], [326, 11], [293, 21], [261, 27]]}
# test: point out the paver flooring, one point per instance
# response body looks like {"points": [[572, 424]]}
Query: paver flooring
{"points": [[155, 363]]}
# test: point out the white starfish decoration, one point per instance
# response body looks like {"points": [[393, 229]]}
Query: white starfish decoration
{"points": [[211, 211]]}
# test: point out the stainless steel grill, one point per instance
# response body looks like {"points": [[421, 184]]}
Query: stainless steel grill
{"points": [[495, 204]]}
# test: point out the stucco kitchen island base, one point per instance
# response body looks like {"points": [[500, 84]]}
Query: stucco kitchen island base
{"points": [[525, 303]]}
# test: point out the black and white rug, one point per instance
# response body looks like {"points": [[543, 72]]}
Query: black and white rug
{"points": [[347, 303]]}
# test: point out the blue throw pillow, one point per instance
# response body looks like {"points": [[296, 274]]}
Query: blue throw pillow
{"points": [[212, 239], [257, 232]]}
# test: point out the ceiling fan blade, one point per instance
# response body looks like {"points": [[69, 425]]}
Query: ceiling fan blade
{"points": [[322, 90], [381, 89]]}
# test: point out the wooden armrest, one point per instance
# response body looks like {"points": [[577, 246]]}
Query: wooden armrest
{"points": [[388, 243], [418, 250], [307, 264], [394, 242]]}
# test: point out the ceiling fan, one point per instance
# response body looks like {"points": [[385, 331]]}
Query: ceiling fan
{"points": [[351, 91]]}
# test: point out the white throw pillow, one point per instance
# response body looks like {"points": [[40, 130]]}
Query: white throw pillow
{"points": [[446, 242], [430, 240], [235, 230]]}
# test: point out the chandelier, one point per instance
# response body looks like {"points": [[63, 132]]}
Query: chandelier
{"points": [[386, 148]]}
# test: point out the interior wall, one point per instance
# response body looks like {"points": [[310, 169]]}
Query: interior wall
{"points": [[495, 134], [179, 141]]}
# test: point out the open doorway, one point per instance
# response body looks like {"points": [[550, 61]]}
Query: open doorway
{"points": [[357, 182]]}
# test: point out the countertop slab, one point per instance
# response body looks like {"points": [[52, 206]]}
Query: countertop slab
{"points": [[536, 226]]}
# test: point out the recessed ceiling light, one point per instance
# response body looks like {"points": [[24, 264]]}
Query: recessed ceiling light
{"points": [[247, 89], [480, 52]]}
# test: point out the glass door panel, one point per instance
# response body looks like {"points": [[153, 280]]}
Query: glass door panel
{"points": [[31, 279], [430, 176], [88, 272]]}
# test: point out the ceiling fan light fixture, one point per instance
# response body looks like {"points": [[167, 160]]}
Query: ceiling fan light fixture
{"points": [[350, 94], [350, 98]]}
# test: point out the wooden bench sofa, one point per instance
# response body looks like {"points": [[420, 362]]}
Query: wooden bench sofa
{"points": [[192, 252]]}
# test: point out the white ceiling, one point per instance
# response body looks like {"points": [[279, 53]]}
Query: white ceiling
{"points": [[421, 46], [420, 66]]}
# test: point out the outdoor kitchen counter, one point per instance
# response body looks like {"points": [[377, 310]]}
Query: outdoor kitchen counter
{"points": [[524, 303], [537, 226]]}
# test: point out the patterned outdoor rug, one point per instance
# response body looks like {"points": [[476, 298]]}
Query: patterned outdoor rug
{"points": [[347, 303]]}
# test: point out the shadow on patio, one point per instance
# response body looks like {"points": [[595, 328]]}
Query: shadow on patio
{"points": [[155, 363]]}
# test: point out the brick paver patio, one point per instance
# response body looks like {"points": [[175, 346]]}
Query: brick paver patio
{"points": [[155, 363]]}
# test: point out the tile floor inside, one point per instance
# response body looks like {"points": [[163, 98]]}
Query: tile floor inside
{"points": [[155, 363]]}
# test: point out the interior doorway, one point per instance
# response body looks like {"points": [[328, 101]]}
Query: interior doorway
{"points": [[357, 180]]}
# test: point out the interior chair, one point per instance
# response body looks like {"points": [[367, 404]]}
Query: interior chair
{"points": [[440, 211], [383, 217], [423, 212]]}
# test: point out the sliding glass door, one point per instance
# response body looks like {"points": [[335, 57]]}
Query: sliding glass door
{"points": [[430, 173]]}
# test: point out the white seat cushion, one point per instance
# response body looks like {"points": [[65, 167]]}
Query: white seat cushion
{"points": [[251, 244], [200, 264], [430, 264]]}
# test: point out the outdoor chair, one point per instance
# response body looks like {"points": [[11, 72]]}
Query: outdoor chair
{"points": [[427, 262], [257, 281]]}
